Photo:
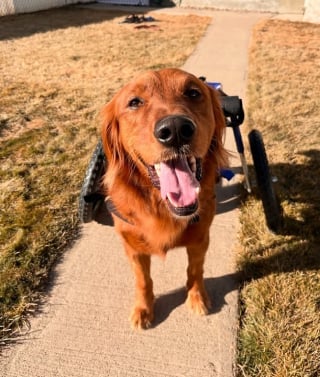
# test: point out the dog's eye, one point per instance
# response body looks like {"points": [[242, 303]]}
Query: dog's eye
{"points": [[192, 93], [135, 102]]}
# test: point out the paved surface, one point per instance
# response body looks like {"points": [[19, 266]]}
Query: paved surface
{"points": [[83, 329]]}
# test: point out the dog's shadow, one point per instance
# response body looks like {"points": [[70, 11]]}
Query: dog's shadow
{"points": [[217, 289]]}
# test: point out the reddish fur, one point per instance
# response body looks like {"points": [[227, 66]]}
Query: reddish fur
{"points": [[127, 136]]}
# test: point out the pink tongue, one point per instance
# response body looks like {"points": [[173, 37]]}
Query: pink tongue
{"points": [[177, 183]]}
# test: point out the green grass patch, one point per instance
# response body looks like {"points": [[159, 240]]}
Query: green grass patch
{"points": [[57, 69], [280, 301]]}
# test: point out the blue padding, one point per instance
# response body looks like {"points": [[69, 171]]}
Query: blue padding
{"points": [[215, 85], [227, 174]]}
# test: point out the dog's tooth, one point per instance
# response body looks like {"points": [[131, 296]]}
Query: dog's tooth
{"points": [[192, 163], [157, 167], [197, 190]]}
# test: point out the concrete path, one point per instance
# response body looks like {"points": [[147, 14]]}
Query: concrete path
{"points": [[83, 329]]}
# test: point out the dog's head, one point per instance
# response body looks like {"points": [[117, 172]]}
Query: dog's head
{"points": [[164, 124]]}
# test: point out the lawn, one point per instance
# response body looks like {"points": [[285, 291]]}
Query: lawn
{"points": [[57, 69], [280, 299]]}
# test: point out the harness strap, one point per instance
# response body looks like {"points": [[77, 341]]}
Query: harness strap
{"points": [[113, 209]]}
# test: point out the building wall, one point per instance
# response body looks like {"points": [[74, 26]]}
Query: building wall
{"points": [[263, 5], [312, 11], [25, 6], [292, 6], [310, 8]]}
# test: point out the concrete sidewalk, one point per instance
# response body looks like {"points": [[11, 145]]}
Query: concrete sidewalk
{"points": [[83, 329]]}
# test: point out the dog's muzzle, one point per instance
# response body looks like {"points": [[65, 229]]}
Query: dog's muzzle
{"points": [[178, 175]]}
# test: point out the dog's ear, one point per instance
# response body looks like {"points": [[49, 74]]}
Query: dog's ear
{"points": [[110, 134], [219, 152]]}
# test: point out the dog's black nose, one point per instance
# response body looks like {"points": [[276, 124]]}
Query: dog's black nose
{"points": [[174, 130]]}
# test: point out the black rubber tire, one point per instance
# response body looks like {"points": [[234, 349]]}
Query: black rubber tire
{"points": [[91, 196], [270, 201]]}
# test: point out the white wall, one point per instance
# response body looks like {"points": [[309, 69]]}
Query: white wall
{"points": [[24, 6], [309, 8], [262, 5], [312, 11]]}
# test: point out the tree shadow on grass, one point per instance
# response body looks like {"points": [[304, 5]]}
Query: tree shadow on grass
{"points": [[298, 250]]}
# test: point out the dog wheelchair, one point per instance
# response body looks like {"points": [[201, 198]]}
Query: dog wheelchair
{"points": [[94, 206]]}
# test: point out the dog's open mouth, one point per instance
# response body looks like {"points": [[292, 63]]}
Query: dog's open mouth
{"points": [[178, 181]]}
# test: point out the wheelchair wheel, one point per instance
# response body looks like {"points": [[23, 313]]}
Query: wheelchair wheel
{"points": [[270, 201], [91, 196]]}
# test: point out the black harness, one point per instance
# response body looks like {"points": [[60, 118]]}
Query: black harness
{"points": [[113, 209]]}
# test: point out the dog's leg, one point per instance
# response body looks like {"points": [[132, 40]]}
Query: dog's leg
{"points": [[142, 314], [197, 300]]}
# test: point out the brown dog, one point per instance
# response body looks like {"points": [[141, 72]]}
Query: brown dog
{"points": [[162, 136]]}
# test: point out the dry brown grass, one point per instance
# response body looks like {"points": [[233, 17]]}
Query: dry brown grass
{"points": [[57, 69], [280, 322]]}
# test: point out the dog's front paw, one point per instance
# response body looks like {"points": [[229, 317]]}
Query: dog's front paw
{"points": [[141, 318], [198, 302]]}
